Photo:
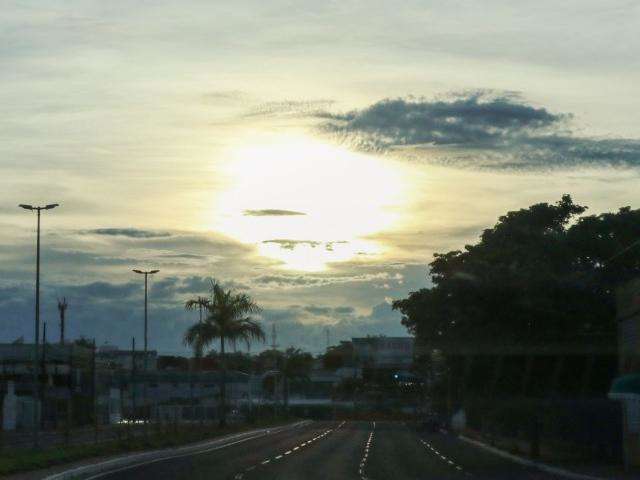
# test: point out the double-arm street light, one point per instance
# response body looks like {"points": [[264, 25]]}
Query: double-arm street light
{"points": [[37, 320], [146, 277]]}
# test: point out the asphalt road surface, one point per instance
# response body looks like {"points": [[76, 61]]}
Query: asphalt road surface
{"points": [[339, 450]]}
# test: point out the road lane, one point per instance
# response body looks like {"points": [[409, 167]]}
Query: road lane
{"points": [[222, 463], [397, 453], [336, 457], [479, 463], [342, 451]]}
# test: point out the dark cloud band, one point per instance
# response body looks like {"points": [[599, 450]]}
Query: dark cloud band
{"points": [[128, 232], [480, 129]]}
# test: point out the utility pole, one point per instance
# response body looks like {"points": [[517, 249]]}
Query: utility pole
{"points": [[67, 429], [133, 377], [94, 392], [36, 340], [144, 359], [43, 366], [62, 308], [146, 286]]}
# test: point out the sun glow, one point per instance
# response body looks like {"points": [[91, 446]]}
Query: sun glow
{"points": [[305, 202]]}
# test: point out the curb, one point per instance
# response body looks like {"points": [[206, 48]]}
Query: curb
{"points": [[530, 463], [125, 462]]}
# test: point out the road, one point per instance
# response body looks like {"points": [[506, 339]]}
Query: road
{"points": [[338, 450]]}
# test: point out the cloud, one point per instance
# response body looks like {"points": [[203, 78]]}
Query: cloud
{"points": [[284, 108], [188, 256], [286, 280], [269, 212], [192, 285], [329, 311], [477, 119], [103, 290], [318, 310], [477, 129], [128, 232], [114, 311], [312, 280], [306, 326], [289, 244]]}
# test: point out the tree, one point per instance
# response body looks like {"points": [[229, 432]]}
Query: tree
{"points": [[200, 304], [228, 318], [83, 342], [542, 279], [239, 361], [296, 365], [338, 356], [284, 368]]}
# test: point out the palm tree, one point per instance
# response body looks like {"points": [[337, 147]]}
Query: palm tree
{"points": [[200, 303], [228, 319]]}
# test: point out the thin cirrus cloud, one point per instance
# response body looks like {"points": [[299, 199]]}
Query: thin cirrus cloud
{"points": [[478, 129], [271, 212], [128, 232], [289, 244]]}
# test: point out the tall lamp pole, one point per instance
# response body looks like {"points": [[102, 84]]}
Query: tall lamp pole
{"points": [[146, 283], [37, 319]]}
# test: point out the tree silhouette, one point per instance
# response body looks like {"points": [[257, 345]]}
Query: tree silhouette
{"points": [[228, 318]]}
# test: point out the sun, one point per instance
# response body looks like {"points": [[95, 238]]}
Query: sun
{"points": [[305, 202]]}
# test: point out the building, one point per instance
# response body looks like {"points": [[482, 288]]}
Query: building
{"points": [[112, 358], [383, 352], [626, 387], [74, 383], [64, 375], [382, 359], [169, 395]]}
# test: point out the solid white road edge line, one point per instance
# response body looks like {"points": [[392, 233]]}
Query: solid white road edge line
{"points": [[530, 463]]}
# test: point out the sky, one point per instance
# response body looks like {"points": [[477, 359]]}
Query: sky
{"points": [[312, 154]]}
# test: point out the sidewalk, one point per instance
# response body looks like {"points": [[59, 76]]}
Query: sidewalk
{"points": [[571, 471]]}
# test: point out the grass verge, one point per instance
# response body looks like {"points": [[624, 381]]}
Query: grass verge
{"points": [[16, 461]]}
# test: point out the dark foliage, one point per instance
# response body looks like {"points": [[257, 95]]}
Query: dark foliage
{"points": [[530, 308]]}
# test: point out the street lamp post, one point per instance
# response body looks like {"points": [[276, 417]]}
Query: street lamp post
{"points": [[146, 276], [146, 283], [37, 319]]}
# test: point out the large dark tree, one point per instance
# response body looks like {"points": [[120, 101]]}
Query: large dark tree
{"points": [[540, 284]]}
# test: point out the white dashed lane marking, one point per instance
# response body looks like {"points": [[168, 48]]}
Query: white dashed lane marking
{"points": [[444, 458], [239, 476], [365, 455]]}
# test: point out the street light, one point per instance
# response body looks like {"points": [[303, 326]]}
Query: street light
{"points": [[37, 319], [146, 276]]}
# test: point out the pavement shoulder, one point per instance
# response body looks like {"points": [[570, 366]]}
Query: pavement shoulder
{"points": [[551, 469]]}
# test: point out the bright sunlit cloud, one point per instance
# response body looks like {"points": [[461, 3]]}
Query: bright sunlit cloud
{"points": [[342, 195]]}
